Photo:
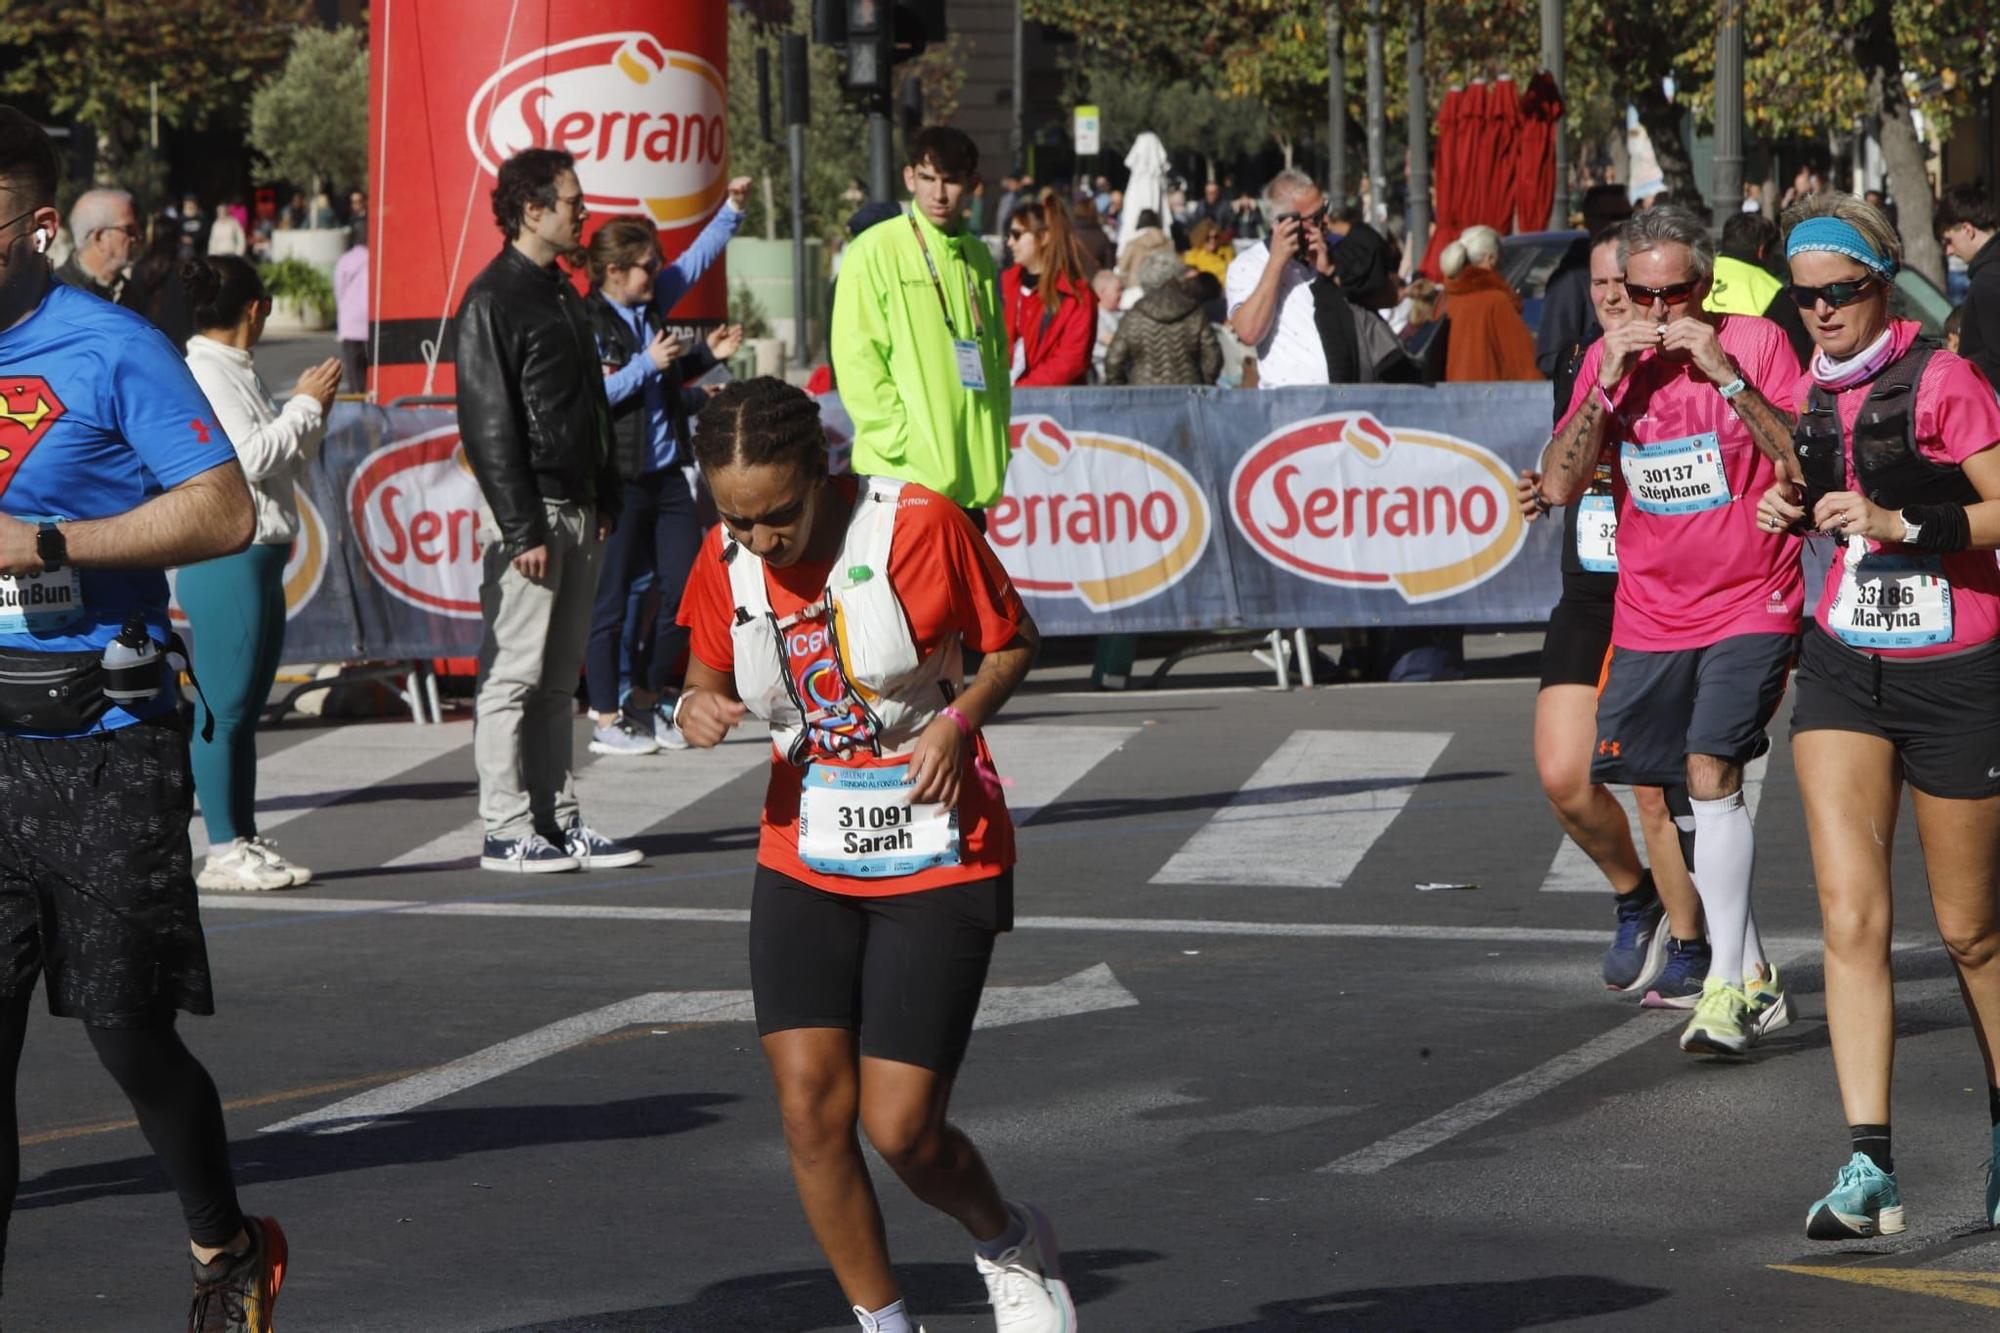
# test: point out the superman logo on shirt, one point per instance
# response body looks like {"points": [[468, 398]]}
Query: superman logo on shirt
{"points": [[28, 408]]}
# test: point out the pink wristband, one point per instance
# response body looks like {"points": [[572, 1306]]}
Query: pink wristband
{"points": [[964, 727]]}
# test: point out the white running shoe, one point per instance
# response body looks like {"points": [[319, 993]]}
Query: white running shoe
{"points": [[237, 867], [1025, 1284], [665, 734], [269, 851]]}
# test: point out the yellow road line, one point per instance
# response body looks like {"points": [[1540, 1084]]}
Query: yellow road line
{"points": [[1961, 1285]]}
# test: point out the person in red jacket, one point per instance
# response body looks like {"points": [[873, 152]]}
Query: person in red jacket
{"points": [[1051, 312]]}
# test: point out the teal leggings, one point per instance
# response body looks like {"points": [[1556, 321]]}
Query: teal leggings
{"points": [[236, 606]]}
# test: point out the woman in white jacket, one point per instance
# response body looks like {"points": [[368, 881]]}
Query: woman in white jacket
{"points": [[236, 605]]}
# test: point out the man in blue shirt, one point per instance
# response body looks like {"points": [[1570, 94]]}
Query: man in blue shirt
{"points": [[646, 371], [112, 469]]}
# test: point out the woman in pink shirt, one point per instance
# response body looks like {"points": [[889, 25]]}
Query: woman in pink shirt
{"points": [[1899, 671]]}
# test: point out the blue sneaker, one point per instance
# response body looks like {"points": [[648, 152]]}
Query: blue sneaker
{"points": [[532, 855], [1993, 1182], [1679, 983], [1864, 1202], [1639, 950]]}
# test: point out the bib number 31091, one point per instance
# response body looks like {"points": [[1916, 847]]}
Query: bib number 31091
{"points": [[860, 822]]}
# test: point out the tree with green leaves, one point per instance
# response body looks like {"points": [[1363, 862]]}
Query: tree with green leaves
{"points": [[101, 63], [310, 120], [1189, 115]]}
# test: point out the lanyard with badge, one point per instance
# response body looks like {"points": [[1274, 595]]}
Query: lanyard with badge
{"points": [[971, 370]]}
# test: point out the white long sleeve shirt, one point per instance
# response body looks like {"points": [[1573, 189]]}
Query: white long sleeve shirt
{"points": [[273, 444]]}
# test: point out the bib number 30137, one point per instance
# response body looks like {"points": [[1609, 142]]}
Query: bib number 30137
{"points": [[860, 822], [1683, 476]]}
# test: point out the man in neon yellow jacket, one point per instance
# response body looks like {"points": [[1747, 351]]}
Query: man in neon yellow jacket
{"points": [[919, 343]]}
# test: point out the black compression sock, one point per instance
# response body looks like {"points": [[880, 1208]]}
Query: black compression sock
{"points": [[1993, 1104], [1874, 1141]]}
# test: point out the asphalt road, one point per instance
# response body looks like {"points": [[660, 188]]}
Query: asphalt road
{"points": [[1258, 1079]]}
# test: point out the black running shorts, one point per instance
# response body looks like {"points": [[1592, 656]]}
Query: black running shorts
{"points": [[1941, 713], [905, 970], [1659, 708], [96, 891], [1578, 642]]}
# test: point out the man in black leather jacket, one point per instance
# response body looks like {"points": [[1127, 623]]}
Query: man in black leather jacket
{"points": [[536, 428]]}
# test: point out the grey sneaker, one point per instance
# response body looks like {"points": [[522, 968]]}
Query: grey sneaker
{"points": [[532, 855], [621, 738]]}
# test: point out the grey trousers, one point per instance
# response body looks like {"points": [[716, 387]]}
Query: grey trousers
{"points": [[529, 662]]}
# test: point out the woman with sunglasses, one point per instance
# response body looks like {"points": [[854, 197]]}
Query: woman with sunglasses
{"points": [[1899, 671], [236, 605], [1045, 295], [647, 371]]}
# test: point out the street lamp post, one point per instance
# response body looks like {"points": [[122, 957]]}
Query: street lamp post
{"points": [[1728, 110], [1378, 181], [1336, 107], [1552, 61], [1420, 136]]}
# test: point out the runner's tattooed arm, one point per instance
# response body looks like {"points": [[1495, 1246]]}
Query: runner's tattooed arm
{"points": [[1572, 453], [1772, 430], [208, 515]]}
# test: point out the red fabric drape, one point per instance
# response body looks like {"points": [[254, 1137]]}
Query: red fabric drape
{"points": [[1446, 178], [1535, 174], [1494, 172]]}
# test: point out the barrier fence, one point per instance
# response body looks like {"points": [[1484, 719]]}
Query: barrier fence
{"points": [[1126, 511]]}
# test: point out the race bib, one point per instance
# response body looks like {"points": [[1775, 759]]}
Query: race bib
{"points": [[1597, 534], [1891, 601], [40, 603], [859, 822], [971, 370], [1673, 477]]}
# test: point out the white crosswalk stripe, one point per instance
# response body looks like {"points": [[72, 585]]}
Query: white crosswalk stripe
{"points": [[335, 764], [1043, 762], [619, 797], [1310, 813], [1573, 872]]}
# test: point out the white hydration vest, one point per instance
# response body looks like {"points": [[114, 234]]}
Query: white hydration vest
{"points": [[869, 639]]}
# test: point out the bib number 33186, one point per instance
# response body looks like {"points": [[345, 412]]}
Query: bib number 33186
{"points": [[860, 822], [1892, 601]]}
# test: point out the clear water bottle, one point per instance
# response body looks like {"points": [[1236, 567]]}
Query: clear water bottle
{"points": [[132, 664]]}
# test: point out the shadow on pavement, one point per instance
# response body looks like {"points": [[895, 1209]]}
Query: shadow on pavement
{"points": [[1066, 812], [1490, 1306], [810, 1299], [420, 1136]]}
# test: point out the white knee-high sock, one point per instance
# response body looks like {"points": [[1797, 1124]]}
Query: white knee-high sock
{"points": [[1724, 854]]}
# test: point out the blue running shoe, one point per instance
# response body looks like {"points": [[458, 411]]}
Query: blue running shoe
{"points": [[1679, 983], [1864, 1202], [1639, 950], [1993, 1182]]}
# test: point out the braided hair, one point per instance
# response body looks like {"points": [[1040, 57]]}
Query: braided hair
{"points": [[761, 422]]}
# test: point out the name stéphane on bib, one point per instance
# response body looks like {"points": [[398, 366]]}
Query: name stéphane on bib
{"points": [[1675, 477]]}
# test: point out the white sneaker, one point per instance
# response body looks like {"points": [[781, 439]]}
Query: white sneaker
{"points": [[1025, 1284], [269, 852], [236, 867]]}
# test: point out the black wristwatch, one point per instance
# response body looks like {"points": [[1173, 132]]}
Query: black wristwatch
{"points": [[51, 547]]}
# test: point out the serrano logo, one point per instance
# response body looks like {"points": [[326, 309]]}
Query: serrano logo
{"points": [[415, 509], [1347, 500], [645, 122], [1119, 509]]}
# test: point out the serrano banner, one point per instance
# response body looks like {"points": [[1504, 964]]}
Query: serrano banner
{"points": [[635, 90], [1126, 511]]}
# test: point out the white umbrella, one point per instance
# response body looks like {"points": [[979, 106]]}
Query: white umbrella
{"points": [[1147, 187]]}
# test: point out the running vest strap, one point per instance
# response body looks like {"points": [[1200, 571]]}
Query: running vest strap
{"points": [[1891, 471], [870, 650]]}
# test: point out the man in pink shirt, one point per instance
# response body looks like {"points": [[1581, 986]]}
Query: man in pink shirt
{"points": [[1696, 409], [350, 302]]}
